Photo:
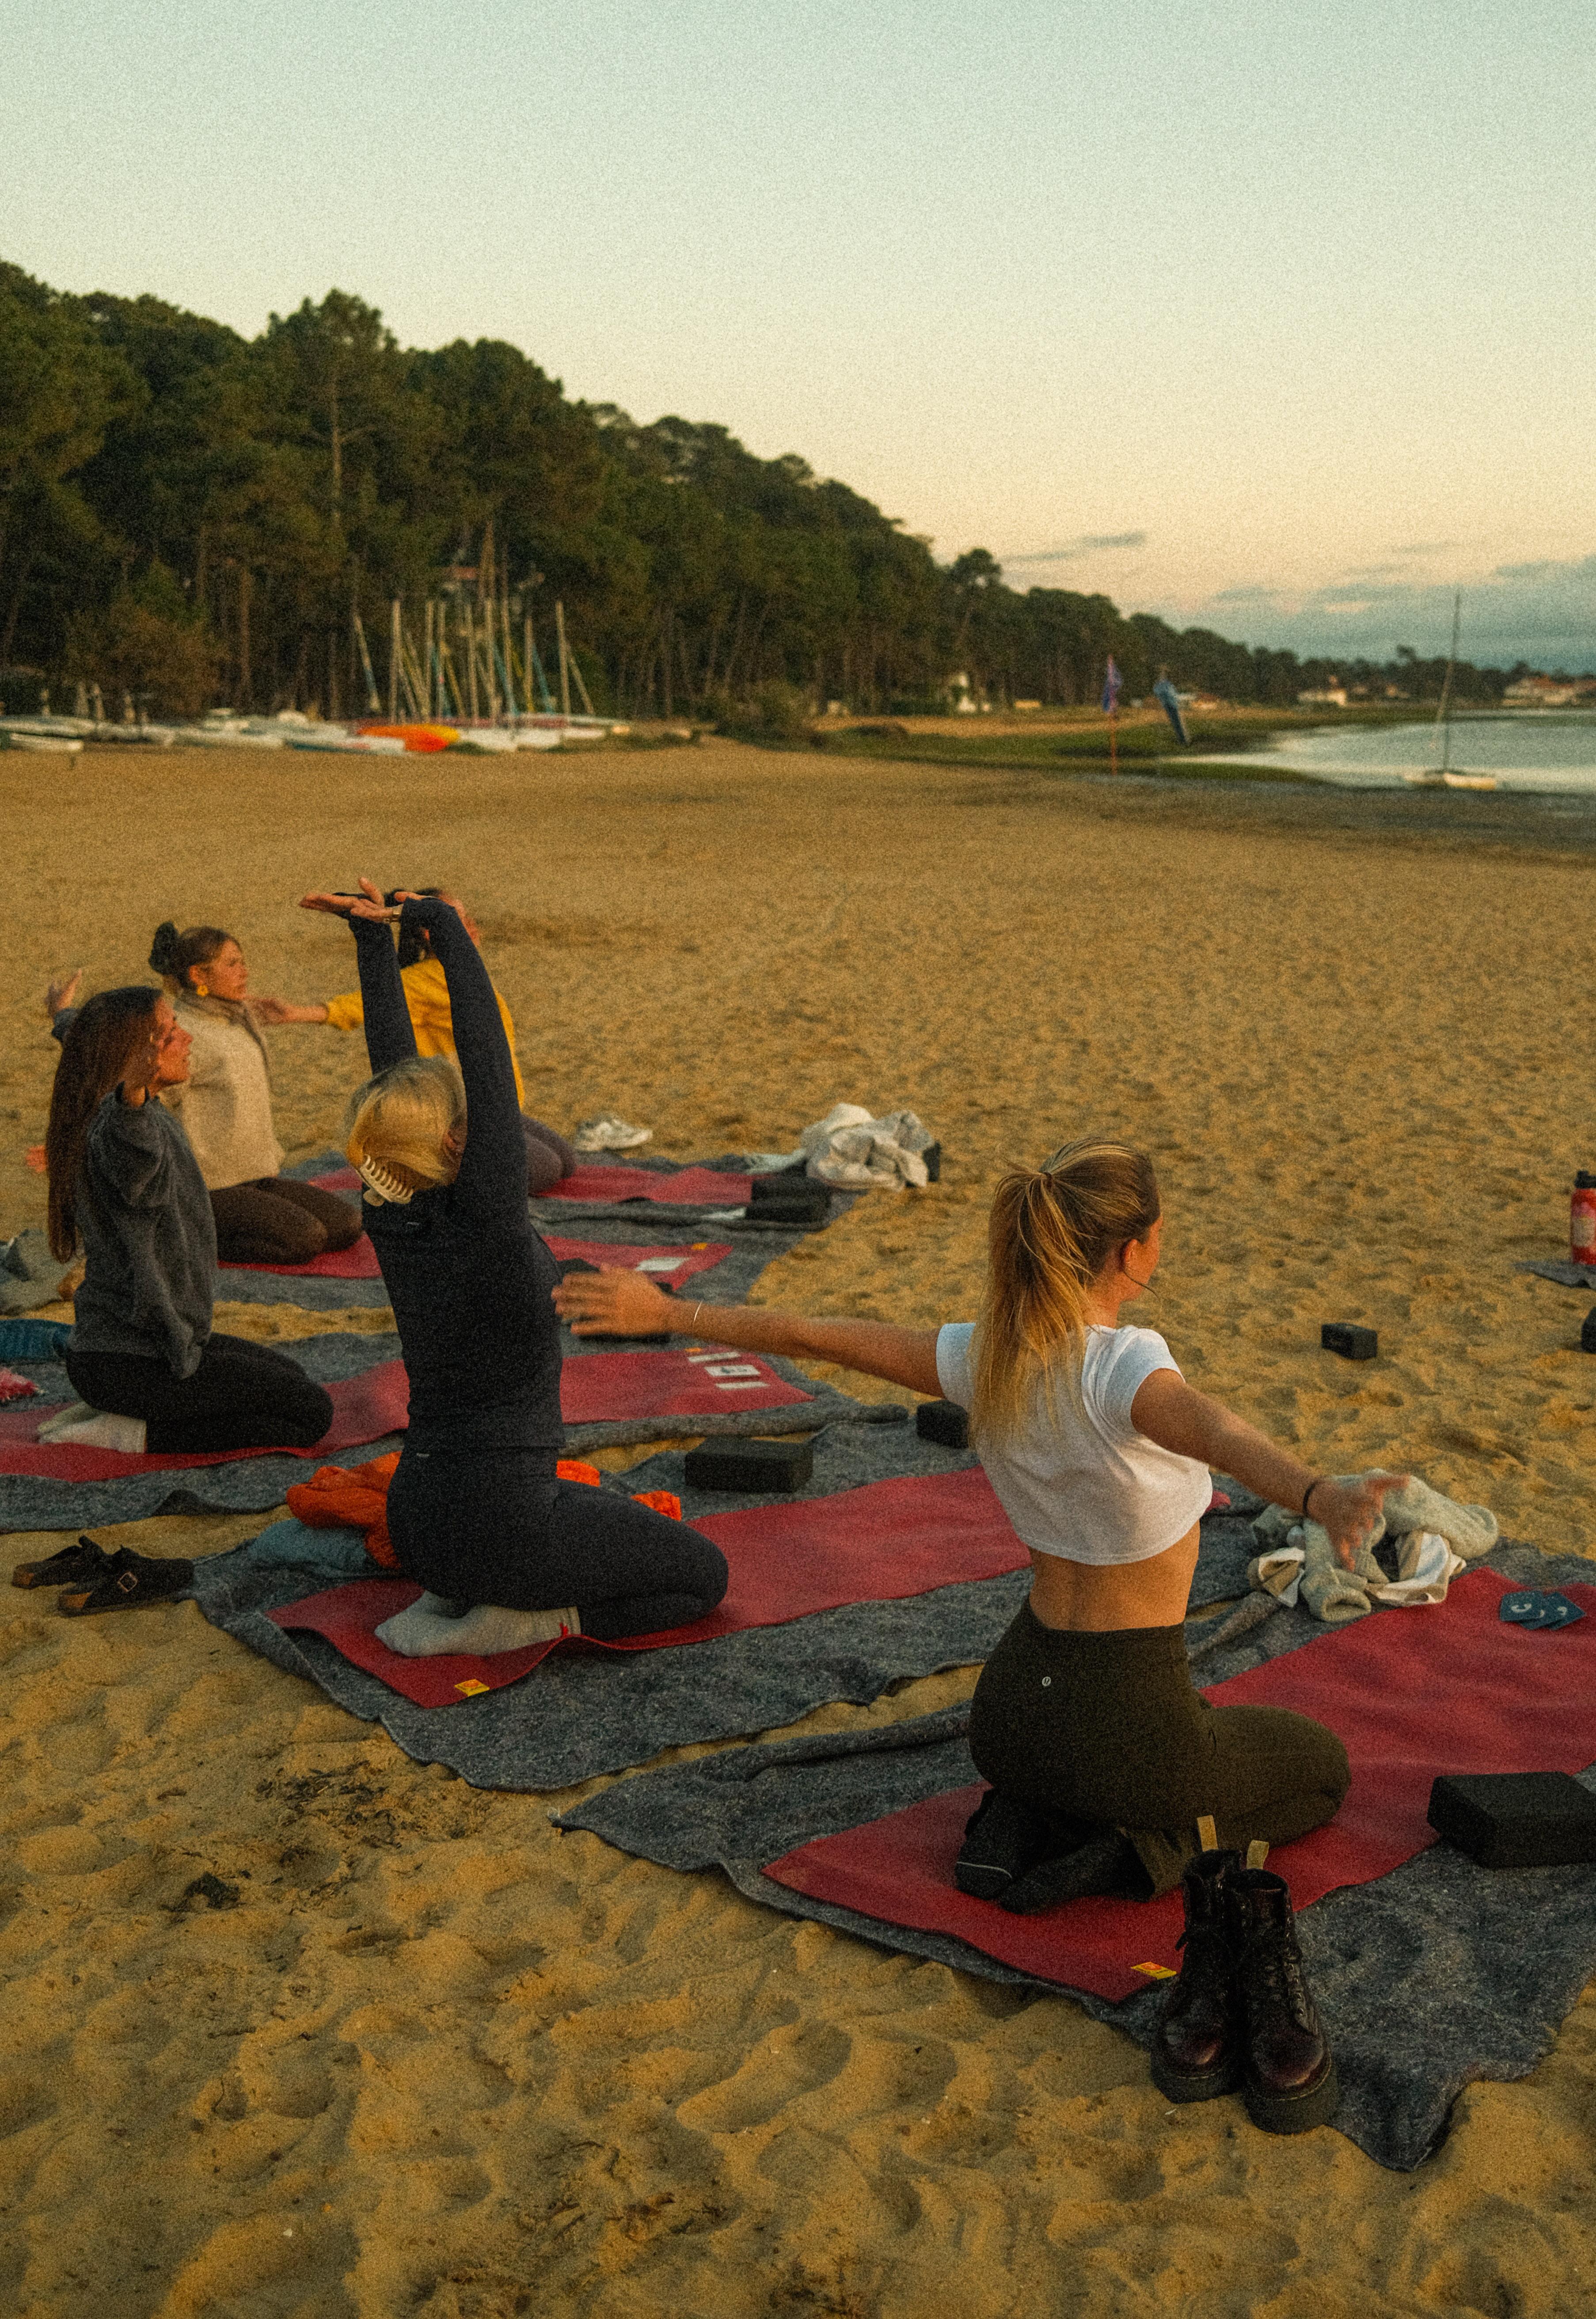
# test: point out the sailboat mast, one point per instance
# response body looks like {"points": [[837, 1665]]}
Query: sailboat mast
{"points": [[1443, 716]]}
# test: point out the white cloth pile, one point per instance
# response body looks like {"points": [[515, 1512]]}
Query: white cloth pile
{"points": [[1434, 1538], [857, 1152]]}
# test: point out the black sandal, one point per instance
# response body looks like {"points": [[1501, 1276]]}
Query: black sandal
{"points": [[126, 1581], [75, 1566]]}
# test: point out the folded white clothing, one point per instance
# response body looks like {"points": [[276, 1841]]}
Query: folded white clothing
{"points": [[851, 1148], [1426, 1566], [95, 1429]]}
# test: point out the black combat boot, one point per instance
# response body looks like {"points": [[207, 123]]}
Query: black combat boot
{"points": [[1196, 2048], [1289, 2082]]}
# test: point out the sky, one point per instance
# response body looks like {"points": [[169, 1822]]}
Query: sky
{"points": [[1270, 318]]}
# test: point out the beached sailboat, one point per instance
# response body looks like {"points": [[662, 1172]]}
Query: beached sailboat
{"points": [[1441, 776]]}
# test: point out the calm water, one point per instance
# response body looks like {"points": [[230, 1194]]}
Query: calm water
{"points": [[1526, 753]]}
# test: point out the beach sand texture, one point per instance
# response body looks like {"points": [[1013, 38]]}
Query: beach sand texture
{"points": [[428, 2057]]}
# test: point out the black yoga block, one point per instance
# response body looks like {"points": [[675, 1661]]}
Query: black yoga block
{"points": [[1516, 1819], [932, 1156], [1346, 1338], [789, 1200], [1588, 1331], [943, 1421], [753, 1466]]}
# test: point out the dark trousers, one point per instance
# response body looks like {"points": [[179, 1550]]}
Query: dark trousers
{"points": [[497, 1526], [1108, 1730], [549, 1160], [241, 1396], [276, 1220]]}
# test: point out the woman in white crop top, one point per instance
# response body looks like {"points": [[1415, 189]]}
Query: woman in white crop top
{"points": [[1085, 1719]]}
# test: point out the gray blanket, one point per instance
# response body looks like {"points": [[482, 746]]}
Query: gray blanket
{"points": [[581, 1713], [1430, 1978], [248, 1485], [1564, 1271]]}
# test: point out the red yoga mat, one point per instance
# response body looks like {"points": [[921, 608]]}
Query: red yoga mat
{"points": [[600, 1386], [874, 1545], [666, 1265], [670, 1266], [1410, 1694], [704, 1187], [364, 1408], [358, 1262]]}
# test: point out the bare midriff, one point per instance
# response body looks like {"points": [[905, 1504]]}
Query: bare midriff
{"points": [[1094, 1598]]}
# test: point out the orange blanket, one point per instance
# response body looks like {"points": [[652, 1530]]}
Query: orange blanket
{"points": [[340, 1497]]}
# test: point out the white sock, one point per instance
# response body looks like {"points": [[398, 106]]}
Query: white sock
{"points": [[95, 1429], [419, 1633]]}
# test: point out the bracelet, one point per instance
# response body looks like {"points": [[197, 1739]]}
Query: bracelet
{"points": [[1308, 1492], [693, 1324]]}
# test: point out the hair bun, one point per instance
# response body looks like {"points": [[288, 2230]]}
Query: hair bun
{"points": [[163, 950]]}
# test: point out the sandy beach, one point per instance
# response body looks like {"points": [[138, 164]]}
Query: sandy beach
{"points": [[441, 2060]]}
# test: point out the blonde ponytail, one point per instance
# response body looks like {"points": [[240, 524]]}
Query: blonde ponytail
{"points": [[401, 1119], [1052, 1232]]}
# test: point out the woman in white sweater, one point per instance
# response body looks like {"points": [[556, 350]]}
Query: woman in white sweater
{"points": [[262, 1217]]}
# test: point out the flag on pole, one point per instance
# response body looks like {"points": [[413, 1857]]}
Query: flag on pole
{"points": [[1168, 701], [1112, 685]]}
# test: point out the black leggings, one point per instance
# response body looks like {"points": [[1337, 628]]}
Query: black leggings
{"points": [[241, 1396], [1108, 1731], [549, 1160], [276, 1220], [498, 1526]]}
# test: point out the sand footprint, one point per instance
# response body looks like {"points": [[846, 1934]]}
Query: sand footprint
{"points": [[792, 2062]]}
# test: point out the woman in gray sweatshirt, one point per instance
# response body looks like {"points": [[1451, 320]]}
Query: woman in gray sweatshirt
{"points": [[124, 1183]]}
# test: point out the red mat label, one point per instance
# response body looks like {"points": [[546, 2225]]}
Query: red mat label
{"points": [[1412, 1694], [877, 1544]]}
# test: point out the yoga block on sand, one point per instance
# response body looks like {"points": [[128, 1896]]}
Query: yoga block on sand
{"points": [[1516, 1819], [1346, 1338], [943, 1421], [789, 1200], [932, 1156], [761, 1467], [1588, 1331]]}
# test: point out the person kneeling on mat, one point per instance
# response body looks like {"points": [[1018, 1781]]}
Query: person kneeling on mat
{"points": [[507, 1553], [142, 1352], [1109, 1772], [262, 1217]]}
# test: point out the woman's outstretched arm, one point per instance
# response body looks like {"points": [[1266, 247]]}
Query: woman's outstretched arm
{"points": [[625, 1304], [1193, 1425]]}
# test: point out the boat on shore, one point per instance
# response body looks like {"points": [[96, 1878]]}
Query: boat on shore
{"points": [[1441, 776]]}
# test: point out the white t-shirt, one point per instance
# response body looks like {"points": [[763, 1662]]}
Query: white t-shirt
{"points": [[1091, 1488]]}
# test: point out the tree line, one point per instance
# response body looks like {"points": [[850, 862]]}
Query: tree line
{"points": [[189, 518]]}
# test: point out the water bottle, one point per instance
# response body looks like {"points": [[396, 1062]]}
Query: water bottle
{"points": [[1581, 1219]]}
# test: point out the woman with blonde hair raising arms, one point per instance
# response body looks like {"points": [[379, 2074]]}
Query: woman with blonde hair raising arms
{"points": [[507, 1552], [1109, 1770]]}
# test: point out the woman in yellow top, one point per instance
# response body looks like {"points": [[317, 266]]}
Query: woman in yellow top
{"points": [[549, 1158]]}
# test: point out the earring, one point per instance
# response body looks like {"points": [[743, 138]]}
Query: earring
{"points": [[201, 990]]}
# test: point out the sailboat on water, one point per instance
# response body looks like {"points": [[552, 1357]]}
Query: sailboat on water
{"points": [[1441, 776]]}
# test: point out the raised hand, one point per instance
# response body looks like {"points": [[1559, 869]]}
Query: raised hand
{"points": [[61, 990], [367, 904]]}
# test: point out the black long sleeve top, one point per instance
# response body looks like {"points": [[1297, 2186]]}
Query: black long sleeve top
{"points": [[471, 1283]]}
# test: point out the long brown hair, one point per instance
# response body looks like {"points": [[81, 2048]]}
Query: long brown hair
{"points": [[99, 1045], [175, 955], [1052, 1232]]}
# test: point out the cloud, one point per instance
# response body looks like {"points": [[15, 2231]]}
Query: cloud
{"points": [[1090, 543], [1543, 612]]}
